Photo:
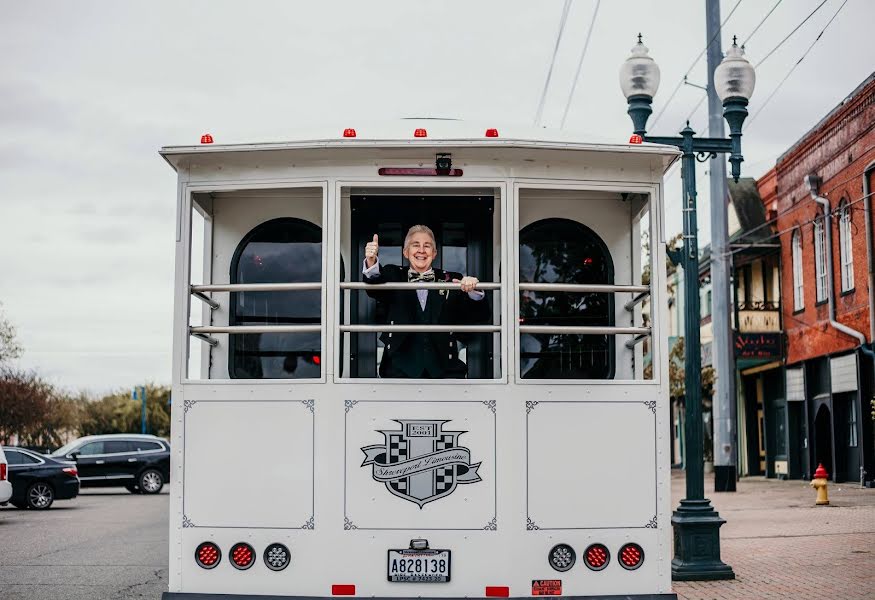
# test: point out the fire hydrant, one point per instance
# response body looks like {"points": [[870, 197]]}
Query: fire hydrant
{"points": [[819, 483]]}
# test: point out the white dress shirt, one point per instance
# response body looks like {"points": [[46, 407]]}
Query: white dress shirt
{"points": [[374, 271]]}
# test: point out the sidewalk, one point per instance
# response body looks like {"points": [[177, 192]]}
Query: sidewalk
{"points": [[781, 546]]}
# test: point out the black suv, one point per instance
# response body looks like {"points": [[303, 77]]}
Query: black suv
{"points": [[140, 463]]}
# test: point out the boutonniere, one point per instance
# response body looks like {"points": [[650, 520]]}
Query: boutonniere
{"points": [[443, 292]]}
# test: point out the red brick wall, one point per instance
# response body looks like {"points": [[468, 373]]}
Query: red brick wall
{"points": [[838, 150]]}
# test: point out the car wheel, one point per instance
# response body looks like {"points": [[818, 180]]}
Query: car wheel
{"points": [[151, 481], [40, 495]]}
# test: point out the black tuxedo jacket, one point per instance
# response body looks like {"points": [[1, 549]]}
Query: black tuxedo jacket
{"points": [[434, 355]]}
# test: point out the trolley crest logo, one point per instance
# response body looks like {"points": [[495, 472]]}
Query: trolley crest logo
{"points": [[421, 462]]}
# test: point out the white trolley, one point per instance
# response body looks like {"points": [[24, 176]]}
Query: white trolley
{"points": [[299, 472]]}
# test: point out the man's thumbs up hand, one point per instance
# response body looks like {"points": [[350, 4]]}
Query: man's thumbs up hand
{"points": [[372, 250]]}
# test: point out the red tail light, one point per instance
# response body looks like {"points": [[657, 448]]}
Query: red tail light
{"points": [[206, 139], [207, 555], [242, 555], [631, 556], [349, 132], [2, 471], [491, 132], [420, 133], [71, 471], [597, 557]]}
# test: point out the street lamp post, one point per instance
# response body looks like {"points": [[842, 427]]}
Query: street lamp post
{"points": [[696, 523]]}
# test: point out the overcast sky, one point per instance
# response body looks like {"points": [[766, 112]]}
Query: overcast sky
{"points": [[89, 91]]}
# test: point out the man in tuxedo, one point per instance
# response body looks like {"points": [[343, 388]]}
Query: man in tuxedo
{"points": [[422, 355]]}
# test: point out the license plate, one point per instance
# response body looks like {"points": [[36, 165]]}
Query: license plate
{"points": [[419, 566]]}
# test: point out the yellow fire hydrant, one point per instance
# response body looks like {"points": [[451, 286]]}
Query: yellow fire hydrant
{"points": [[819, 483]]}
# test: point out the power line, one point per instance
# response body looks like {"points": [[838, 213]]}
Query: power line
{"points": [[595, 13], [562, 20], [796, 64], [789, 35], [757, 28], [743, 44], [695, 62]]}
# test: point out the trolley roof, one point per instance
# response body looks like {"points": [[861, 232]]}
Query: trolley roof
{"points": [[440, 134]]}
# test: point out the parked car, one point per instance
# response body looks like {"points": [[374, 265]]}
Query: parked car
{"points": [[5, 486], [140, 463], [38, 480]]}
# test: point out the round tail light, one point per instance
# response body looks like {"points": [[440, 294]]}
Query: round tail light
{"points": [[277, 557], [242, 555], [631, 556], [562, 557], [597, 557], [207, 555]]}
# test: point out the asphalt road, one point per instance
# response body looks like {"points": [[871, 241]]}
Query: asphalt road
{"points": [[107, 544]]}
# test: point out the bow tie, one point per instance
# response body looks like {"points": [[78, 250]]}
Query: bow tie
{"points": [[414, 276]]}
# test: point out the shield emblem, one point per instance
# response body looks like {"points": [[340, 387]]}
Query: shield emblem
{"points": [[421, 462]]}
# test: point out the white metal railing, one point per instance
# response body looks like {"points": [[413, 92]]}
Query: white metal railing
{"points": [[203, 331]]}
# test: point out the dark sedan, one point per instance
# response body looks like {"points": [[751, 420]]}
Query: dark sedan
{"points": [[38, 480]]}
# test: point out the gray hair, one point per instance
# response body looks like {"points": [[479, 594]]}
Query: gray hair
{"points": [[419, 229]]}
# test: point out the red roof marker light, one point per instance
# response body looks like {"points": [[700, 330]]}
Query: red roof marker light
{"points": [[491, 132], [420, 133], [206, 139], [349, 132], [636, 139]]}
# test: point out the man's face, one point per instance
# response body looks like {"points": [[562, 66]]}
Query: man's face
{"points": [[420, 252]]}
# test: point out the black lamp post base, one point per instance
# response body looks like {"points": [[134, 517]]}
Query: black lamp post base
{"points": [[697, 543]]}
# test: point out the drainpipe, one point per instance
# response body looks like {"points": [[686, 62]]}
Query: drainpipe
{"points": [[813, 183], [870, 260]]}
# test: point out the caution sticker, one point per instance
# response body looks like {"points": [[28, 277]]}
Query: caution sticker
{"points": [[546, 587]]}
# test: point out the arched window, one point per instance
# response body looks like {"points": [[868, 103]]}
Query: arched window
{"points": [[565, 251], [820, 258], [284, 250], [846, 249], [798, 289]]}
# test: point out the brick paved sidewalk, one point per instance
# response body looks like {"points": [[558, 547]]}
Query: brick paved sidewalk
{"points": [[781, 546]]}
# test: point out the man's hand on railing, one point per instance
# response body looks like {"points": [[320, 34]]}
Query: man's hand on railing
{"points": [[467, 283]]}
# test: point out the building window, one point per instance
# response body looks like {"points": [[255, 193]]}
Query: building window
{"points": [[565, 251], [820, 259], [852, 423], [798, 295], [845, 246], [284, 250]]}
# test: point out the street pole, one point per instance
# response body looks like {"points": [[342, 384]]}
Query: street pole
{"points": [[696, 524], [724, 404]]}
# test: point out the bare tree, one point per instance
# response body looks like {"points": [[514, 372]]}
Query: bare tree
{"points": [[10, 349]]}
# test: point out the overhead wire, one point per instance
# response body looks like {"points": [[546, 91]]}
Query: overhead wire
{"points": [[743, 44], [595, 13], [789, 35], [563, 19], [695, 62], [793, 68]]}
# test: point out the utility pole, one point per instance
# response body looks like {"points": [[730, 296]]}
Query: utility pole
{"points": [[724, 404]]}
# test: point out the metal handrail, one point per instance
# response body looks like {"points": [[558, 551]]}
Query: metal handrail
{"points": [[239, 329], [637, 300], [581, 287], [420, 285], [257, 287], [583, 330], [631, 343], [420, 328], [210, 302]]}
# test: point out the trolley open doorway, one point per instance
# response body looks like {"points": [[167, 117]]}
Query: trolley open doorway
{"points": [[539, 465]]}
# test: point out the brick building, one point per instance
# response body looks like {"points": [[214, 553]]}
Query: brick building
{"points": [[827, 308]]}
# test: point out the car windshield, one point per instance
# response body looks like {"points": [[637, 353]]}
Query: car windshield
{"points": [[64, 450]]}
